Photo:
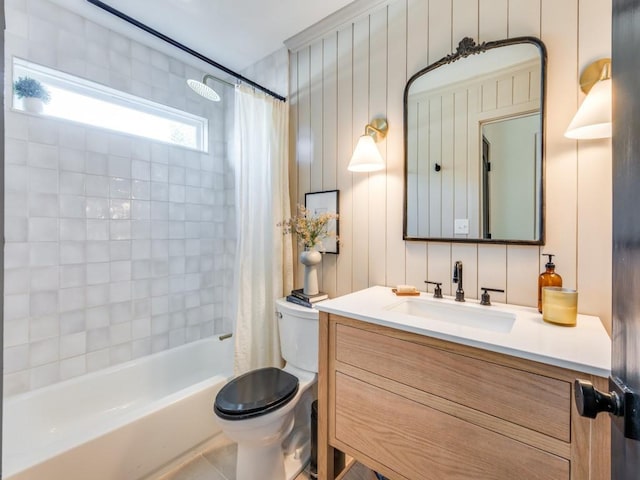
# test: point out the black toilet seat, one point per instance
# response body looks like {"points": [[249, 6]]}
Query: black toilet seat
{"points": [[255, 393]]}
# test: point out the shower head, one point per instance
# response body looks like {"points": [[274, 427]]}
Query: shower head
{"points": [[201, 88]]}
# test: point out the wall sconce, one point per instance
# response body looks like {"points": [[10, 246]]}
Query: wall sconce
{"points": [[593, 118], [366, 157]]}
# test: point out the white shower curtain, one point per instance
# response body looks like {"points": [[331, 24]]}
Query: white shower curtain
{"points": [[264, 264]]}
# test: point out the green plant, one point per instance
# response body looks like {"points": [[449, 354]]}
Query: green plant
{"points": [[27, 87]]}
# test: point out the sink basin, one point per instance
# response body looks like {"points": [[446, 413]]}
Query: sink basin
{"points": [[485, 318]]}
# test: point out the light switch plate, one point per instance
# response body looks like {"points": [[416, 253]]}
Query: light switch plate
{"points": [[461, 226]]}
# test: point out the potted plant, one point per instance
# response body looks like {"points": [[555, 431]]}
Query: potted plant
{"points": [[32, 93]]}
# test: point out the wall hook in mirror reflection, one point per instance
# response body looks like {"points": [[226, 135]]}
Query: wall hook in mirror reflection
{"points": [[437, 167]]}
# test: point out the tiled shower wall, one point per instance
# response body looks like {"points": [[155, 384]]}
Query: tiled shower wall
{"points": [[116, 246]]}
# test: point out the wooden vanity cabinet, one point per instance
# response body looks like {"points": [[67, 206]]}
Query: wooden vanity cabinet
{"points": [[414, 407]]}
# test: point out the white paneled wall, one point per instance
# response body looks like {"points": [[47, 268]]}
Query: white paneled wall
{"points": [[358, 71]]}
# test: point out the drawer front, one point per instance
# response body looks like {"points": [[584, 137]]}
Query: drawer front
{"points": [[533, 401], [421, 443]]}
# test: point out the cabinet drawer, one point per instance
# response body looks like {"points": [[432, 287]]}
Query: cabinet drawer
{"points": [[533, 401], [421, 443]]}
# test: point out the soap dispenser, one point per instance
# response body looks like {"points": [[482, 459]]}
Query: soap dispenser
{"points": [[548, 278]]}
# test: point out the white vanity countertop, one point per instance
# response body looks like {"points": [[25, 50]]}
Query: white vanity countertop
{"points": [[585, 347]]}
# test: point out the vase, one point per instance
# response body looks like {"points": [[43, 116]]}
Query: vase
{"points": [[32, 104], [310, 259]]}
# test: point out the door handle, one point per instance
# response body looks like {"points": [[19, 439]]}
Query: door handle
{"points": [[621, 402]]}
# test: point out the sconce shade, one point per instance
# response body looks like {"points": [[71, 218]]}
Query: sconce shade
{"points": [[366, 157], [593, 118]]}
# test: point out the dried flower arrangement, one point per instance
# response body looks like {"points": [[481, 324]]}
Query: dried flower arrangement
{"points": [[310, 229]]}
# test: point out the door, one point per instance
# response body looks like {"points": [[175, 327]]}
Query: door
{"points": [[625, 453], [623, 402]]}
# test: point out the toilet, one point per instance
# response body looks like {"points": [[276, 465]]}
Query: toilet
{"points": [[267, 411]]}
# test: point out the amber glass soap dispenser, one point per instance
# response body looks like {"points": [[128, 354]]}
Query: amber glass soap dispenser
{"points": [[548, 278]]}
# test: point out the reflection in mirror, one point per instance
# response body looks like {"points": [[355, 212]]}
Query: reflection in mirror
{"points": [[473, 138]]}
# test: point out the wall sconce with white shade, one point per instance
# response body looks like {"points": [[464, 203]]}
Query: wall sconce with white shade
{"points": [[593, 118], [366, 156]]}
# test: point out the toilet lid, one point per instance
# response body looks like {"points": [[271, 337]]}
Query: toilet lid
{"points": [[255, 393]]}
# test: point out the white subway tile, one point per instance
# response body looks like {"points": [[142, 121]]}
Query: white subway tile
{"points": [[177, 193], [159, 230], [120, 209], [16, 281], [72, 322], [72, 136], [120, 353], [15, 151], [140, 347], [47, 326], [96, 163], [120, 333], [43, 352], [15, 229], [98, 142], [141, 190], [43, 130], [72, 275], [97, 186], [159, 210], [159, 191], [97, 295], [43, 156], [35, 204], [140, 170], [97, 360], [159, 172], [71, 299], [120, 250], [97, 208], [43, 303], [42, 180], [72, 160], [72, 253], [44, 375], [73, 229], [97, 317], [97, 339], [43, 229], [120, 292], [97, 229], [15, 383], [16, 178], [120, 230], [97, 273], [120, 187], [73, 345], [44, 279], [16, 307], [42, 254], [72, 206], [119, 166], [16, 358], [72, 183], [73, 367], [159, 286]]}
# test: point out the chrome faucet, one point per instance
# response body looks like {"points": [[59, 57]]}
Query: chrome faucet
{"points": [[457, 278]]}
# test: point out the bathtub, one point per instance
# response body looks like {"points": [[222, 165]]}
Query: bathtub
{"points": [[121, 423]]}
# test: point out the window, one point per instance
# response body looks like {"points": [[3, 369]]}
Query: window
{"points": [[90, 103]]}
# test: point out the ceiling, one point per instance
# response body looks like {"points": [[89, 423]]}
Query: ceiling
{"points": [[235, 33]]}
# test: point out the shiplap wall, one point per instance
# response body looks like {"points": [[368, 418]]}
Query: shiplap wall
{"points": [[358, 71]]}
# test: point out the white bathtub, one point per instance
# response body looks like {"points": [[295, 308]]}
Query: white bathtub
{"points": [[120, 423]]}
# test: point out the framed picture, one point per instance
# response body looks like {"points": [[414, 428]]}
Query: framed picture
{"points": [[322, 202]]}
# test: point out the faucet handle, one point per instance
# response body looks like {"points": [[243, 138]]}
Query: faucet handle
{"points": [[485, 299], [437, 292]]}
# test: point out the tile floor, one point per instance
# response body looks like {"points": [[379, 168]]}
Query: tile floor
{"points": [[217, 462]]}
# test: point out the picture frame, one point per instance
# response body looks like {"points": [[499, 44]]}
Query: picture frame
{"points": [[322, 202]]}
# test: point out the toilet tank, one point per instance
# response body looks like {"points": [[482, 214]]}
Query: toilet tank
{"points": [[298, 329]]}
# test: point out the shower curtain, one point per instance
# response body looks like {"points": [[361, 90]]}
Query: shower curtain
{"points": [[264, 264]]}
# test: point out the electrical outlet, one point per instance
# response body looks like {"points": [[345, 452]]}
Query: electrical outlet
{"points": [[461, 226]]}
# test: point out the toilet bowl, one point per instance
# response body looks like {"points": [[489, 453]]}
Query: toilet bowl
{"points": [[267, 411]]}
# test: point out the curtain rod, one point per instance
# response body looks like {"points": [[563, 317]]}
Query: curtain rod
{"points": [[184, 48]]}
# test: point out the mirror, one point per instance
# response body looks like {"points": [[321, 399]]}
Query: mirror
{"points": [[473, 132]]}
